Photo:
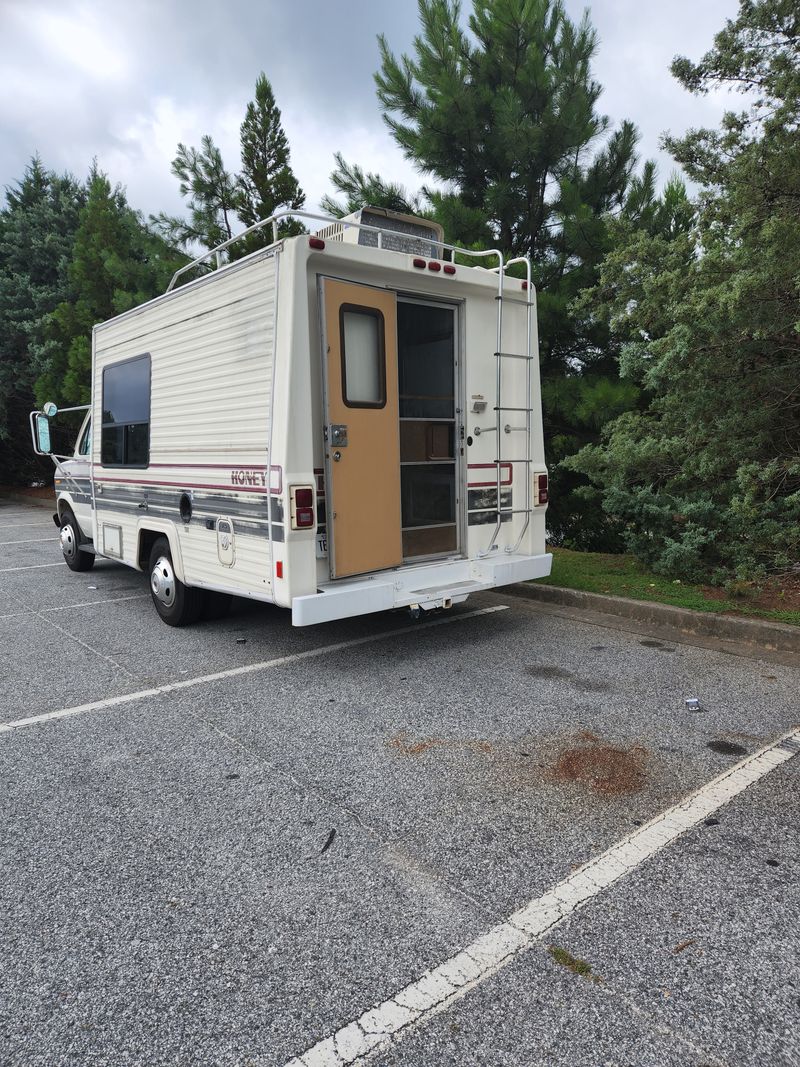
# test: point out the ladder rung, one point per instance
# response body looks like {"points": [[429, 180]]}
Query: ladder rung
{"points": [[511, 355], [513, 409]]}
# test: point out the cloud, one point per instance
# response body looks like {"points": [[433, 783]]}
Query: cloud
{"points": [[126, 82]]}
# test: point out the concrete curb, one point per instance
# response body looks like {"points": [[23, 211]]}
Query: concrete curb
{"points": [[773, 636], [33, 501]]}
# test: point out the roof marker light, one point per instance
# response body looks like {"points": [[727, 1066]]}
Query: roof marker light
{"points": [[316, 242]]}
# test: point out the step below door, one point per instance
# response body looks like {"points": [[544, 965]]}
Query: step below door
{"points": [[362, 428]]}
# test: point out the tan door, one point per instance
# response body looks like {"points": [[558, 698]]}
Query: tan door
{"points": [[363, 437]]}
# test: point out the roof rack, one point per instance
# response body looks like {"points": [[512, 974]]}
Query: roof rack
{"points": [[275, 219]]}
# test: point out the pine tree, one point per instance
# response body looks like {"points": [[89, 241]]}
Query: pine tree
{"points": [[219, 200], [211, 198], [117, 263], [705, 479], [505, 119], [37, 232], [365, 189], [266, 183]]}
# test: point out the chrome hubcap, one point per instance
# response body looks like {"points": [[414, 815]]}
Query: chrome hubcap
{"points": [[69, 542], [162, 582]]}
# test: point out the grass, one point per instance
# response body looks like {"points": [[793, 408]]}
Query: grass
{"points": [[622, 575], [572, 963]]}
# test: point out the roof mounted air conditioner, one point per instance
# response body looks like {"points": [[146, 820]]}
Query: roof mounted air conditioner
{"points": [[399, 232]]}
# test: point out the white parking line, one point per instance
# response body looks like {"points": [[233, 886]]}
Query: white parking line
{"points": [[31, 567], [32, 541], [17, 525], [234, 672], [388, 1023], [75, 607]]}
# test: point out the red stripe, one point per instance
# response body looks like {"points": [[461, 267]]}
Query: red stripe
{"points": [[232, 487], [186, 485], [491, 467]]}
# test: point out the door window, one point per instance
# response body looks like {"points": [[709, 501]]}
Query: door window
{"points": [[363, 357]]}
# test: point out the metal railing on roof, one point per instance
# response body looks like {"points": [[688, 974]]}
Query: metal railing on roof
{"points": [[274, 221]]}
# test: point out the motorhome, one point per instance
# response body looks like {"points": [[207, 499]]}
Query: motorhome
{"points": [[342, 422]]}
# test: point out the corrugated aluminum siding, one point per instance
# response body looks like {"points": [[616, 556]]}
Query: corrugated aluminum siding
{"points": [[211, 347]]}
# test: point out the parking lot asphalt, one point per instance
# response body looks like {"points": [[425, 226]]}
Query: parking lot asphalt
{"points": [[230, 871]]}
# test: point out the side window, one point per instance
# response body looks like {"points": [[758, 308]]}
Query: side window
{"points": [[363, 357], [125, 437], [85, 443]]}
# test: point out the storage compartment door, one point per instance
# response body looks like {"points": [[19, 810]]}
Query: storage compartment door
{"points": [[362, 444]]}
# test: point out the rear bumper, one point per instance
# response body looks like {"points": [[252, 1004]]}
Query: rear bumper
{"points": [[435, 585]]}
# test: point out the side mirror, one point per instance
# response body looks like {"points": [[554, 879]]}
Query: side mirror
{"points": [[40, 426]]}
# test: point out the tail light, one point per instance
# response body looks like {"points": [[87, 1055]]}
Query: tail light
{"points": [[301, 506], [541, 489]]}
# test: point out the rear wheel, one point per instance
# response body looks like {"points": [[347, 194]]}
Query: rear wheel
{"points": [[176, 603], [71, 541]]}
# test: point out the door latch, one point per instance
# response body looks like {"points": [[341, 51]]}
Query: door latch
{"points": [[339, 435]]}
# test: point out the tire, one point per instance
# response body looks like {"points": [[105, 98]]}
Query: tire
{"points": [[176, 603], [71, 540]]}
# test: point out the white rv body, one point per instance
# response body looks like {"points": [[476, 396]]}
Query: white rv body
{"points": [[241, 388]]}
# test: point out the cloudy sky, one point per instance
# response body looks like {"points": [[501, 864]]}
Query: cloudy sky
{"points": [[125, 80]]}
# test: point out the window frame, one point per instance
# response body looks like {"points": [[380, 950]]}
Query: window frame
{"points": [[104, 425], [377, 314], [85, 438]]}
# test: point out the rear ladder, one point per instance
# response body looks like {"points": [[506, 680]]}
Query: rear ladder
{"points": [[502, 428]]}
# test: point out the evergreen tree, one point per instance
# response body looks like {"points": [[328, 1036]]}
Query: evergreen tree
{"points": [[211, 197], [506, 119], [117, 263], [266, 183], [706, 479], [362, 189], [37, 231], [219, 199]]}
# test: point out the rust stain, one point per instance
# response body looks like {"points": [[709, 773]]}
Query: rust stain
{"points": [[406, 747], [606, 769], [587, 735], [484, 747]]}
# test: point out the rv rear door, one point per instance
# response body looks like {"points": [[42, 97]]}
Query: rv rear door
{"points": [[362, 446]]}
